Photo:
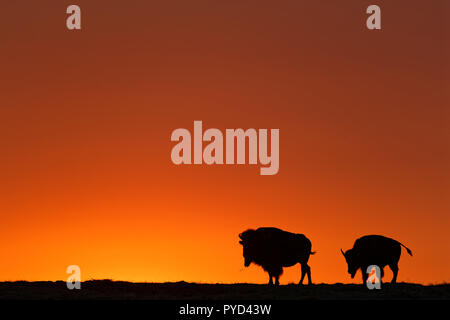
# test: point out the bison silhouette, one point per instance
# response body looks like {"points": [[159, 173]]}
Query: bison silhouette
{"points": [[374, 250], [273, 249]]}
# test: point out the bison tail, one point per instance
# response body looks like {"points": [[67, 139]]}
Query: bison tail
{"points": [[313, 252], [407, 249]]}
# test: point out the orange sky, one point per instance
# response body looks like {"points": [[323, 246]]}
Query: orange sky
{"points": [[86, 118]]}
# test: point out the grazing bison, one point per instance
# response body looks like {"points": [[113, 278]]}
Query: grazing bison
{"points": [[273, 249], [374, 250]]}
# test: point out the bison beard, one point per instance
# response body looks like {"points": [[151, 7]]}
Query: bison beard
{"points": [[273, 249]]}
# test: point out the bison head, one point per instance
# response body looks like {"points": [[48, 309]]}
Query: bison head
{"points": [[245, 240], [351, 262]]}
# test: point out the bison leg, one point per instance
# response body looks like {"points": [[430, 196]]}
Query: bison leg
{"points": [[394, 269], [303, 275], [306, 270], [276, 273], [277, 282], [365, 275], [270, 280]]}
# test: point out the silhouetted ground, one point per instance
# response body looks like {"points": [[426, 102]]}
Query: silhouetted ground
{"points": [[107, 289]]}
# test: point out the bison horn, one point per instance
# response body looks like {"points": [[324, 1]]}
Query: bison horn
{"points": [[240, 235], [343, 252]]}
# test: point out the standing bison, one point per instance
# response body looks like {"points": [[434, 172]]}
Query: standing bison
{"points": [[273, 249], [374, 250]]}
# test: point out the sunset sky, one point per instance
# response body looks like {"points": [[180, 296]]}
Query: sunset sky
{"points": [[86, 117]]}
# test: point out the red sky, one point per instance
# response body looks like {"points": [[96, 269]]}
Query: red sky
{"points": [[86, 118]]}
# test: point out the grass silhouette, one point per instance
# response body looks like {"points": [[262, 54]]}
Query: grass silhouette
{"points": [[121, 290]]}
